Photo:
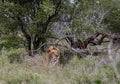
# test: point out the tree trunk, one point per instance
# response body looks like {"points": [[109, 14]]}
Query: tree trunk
{"points": [[33, 43], [36, 43], [24, 28], [29, 46]]}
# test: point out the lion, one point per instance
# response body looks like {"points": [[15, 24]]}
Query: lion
{"points": [[52, 56]]}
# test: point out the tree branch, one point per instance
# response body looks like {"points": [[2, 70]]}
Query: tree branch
{"points": [[57, 9], [92, 39], [23, 27]]}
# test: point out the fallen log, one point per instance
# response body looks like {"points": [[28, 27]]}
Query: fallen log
{"points": [[80, 46], [93, 39]]}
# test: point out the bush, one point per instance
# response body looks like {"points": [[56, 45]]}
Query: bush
{"points": [[14, 55], [113, 20], [11, 41]]}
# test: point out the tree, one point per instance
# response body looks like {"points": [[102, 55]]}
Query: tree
{"points": [[89, 16], [32, 17], [112, 20]]}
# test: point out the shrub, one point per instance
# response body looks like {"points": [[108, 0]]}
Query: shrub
{"points": [[14, 55], [11, 41]]}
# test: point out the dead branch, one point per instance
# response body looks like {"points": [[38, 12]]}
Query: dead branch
{"points": [[93, 39], [81, 46]]}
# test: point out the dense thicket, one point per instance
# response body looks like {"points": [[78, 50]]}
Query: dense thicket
{"points": [[31, 20]]}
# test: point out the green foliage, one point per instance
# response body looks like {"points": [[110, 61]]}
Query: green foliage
{"points": [[11, 41], [113, 20], [8, 27], [118, 66], [12, 9], [89, 15], [46, 9], [30, 17], [80, 14], [14, 55], [4, 58]]}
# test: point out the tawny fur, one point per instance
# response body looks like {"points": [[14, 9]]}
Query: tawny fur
{"points": [[52, 56]]}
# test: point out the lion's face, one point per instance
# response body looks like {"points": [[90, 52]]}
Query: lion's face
{"points": [[53, 49], [52, 55]]}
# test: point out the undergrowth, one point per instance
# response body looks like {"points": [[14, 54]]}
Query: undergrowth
{"points": [[87, 70]]}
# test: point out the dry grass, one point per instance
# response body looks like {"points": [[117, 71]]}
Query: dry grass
{"points": [[88, 70]]}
